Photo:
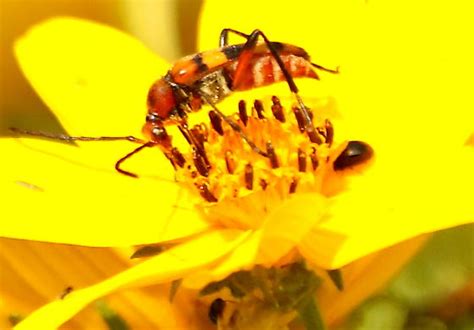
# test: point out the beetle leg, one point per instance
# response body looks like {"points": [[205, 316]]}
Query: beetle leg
{"points": [[244, 61], [224, 37]]}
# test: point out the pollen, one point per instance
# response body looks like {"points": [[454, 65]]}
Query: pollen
{"points": [[252, 160]]}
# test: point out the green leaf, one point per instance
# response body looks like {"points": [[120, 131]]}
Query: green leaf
{"points": [[310, 315], [294, 284], [113, 320]]}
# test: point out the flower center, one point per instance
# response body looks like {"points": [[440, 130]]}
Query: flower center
{"points": [[227, 169]]}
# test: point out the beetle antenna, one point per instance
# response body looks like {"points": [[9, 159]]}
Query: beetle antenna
{"points": [[322, 68], [67, 138]]}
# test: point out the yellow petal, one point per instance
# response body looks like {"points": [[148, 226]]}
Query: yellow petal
{"points": [[34, 273], [93, 77], [363, 220], [166, 267], [49, 197], [470, 140], [96, 79], [364, 277], [395, 78], [243, 257], [286, 226]]}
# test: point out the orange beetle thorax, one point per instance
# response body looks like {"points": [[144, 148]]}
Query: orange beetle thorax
{"points": [[161, 100]]}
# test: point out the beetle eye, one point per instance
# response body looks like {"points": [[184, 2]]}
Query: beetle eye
{"points": [[356, 152], [151, 117]]}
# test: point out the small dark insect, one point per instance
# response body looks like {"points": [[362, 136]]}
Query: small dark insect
{"points": [[355, 153], [216, 309], [65, 292]]}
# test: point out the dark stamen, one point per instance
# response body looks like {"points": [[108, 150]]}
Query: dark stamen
{"points": [[200, 163], [314, 137], [204, 131], [258, 105], [310, 131], [230, 162], [263, 184], [301, 160], [206, 194], [314, 159], [272, 155], [216, 122], [178, 157], [299, 118], [329, 132], [249, 176], [243, 112], [277, 110], [293, 185], [198, 135]]}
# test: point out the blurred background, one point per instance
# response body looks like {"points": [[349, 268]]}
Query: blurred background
{"points": [[166, 26], [435, 291]]}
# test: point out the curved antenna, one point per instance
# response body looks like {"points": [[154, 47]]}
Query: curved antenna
{"points": [[322, 68], [130, 154]]}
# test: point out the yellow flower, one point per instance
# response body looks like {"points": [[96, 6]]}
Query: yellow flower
{"points": [[35, 273], [396, 92]]}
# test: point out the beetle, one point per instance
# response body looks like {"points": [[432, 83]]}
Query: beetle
{"points": [[210, 76]]}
